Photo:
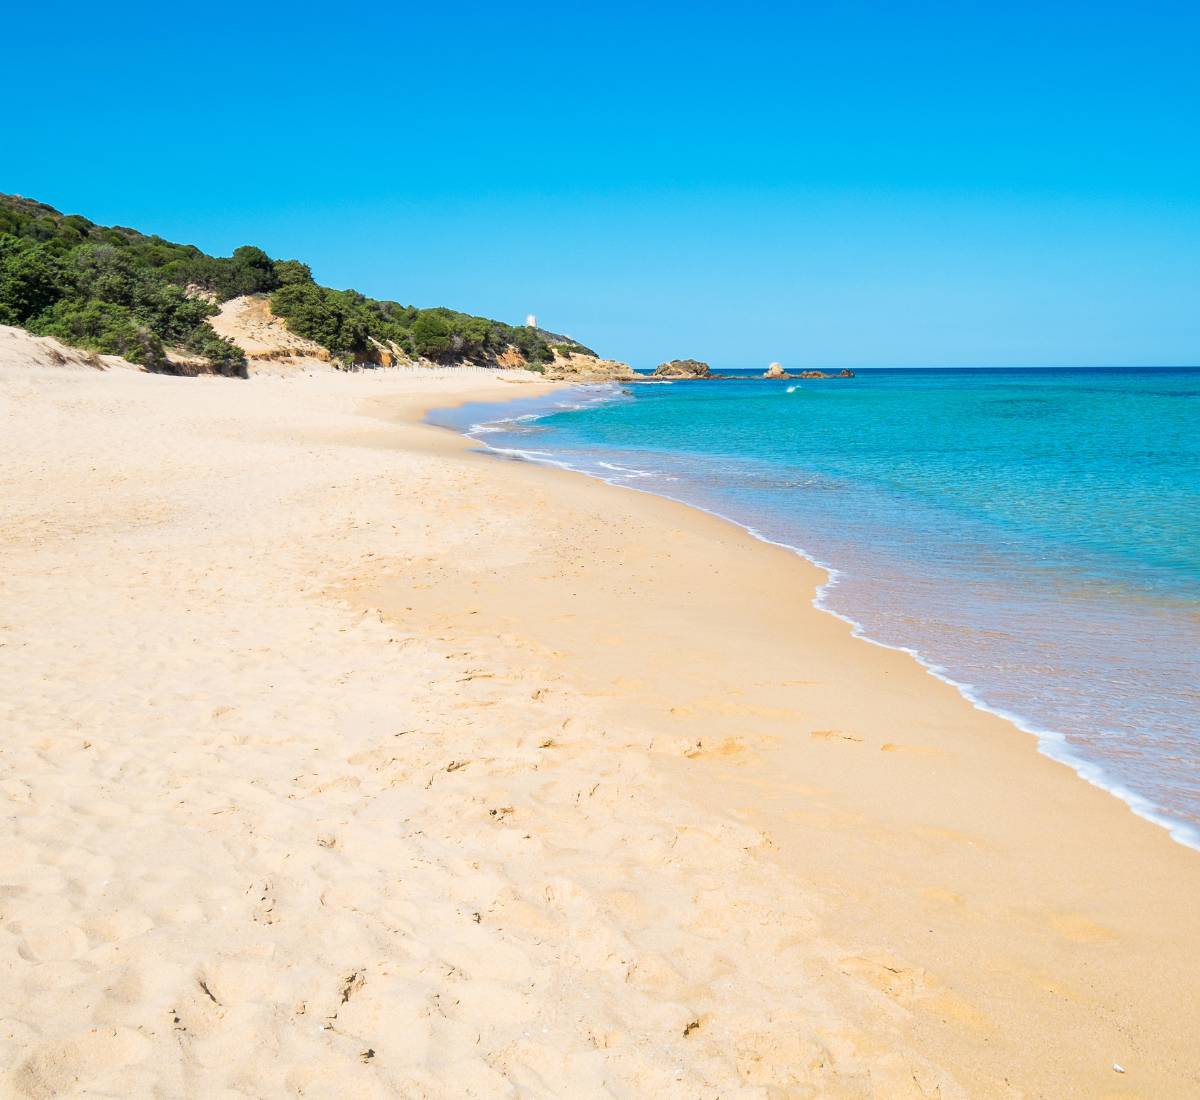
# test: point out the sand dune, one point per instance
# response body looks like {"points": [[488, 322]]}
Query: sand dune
{"points": [[338, 761], [268, 343]]}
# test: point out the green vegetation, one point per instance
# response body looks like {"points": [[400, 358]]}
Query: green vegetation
{"points": [[567, 350], [118, 291], [347, 323], [115, 290]]}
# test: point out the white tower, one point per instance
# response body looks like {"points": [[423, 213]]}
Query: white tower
{"points": [[531, 320]]}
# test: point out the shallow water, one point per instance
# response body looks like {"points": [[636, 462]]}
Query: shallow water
{"points": [[1032, 535]]}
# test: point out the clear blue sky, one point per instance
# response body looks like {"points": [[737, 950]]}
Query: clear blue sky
{"points": [[824, 184]]}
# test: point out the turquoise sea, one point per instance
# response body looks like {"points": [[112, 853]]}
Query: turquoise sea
{"points": [[1031, 535]]}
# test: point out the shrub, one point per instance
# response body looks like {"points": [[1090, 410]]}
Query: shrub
{"points": [[103, 327], [567, 350], [290, 272], [224, 355], [32, 279], [432, 335]]}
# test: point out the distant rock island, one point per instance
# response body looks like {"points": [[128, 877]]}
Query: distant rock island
{"points": [[696, 369], [683, 368], [775, 370]]}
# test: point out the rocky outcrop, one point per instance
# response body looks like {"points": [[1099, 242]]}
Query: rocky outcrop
{"points": [[195, 290], [588, 368], [824, 374], [683, 368], [511, 358], [385, 355], [775, 370]]}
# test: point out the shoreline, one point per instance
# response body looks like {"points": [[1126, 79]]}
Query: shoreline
{"points": [[1101, 805], [1051, 743], [391, 768]]}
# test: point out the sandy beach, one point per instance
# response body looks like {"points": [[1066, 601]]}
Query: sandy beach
{"points": [[339, 759]]}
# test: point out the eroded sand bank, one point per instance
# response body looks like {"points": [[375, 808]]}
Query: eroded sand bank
{"points": [[339, 760]]}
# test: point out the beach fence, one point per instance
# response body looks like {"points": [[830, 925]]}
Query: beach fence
{"points": [[440, 371]]}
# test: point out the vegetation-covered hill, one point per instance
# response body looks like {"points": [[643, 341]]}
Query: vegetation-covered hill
{"points": [[118, 291]]}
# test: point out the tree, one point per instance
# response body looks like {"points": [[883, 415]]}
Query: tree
{"points": [[310, 311], [32, 279], [251, 271], [431, 335], [290, 272], [530, 343]]}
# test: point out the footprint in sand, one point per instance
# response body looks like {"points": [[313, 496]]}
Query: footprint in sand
{"points": [[375, 759], [941, 895], [915, 988], [1080, 929], [53, 944], [730, 746], [899, 981], [264, 908], [56, 1067], [912, 750], [834, 735]]}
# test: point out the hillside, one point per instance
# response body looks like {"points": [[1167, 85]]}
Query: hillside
{"points": [[117, 291]]}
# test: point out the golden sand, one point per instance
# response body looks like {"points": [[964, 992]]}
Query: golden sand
{"points": [[338, 760]]}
